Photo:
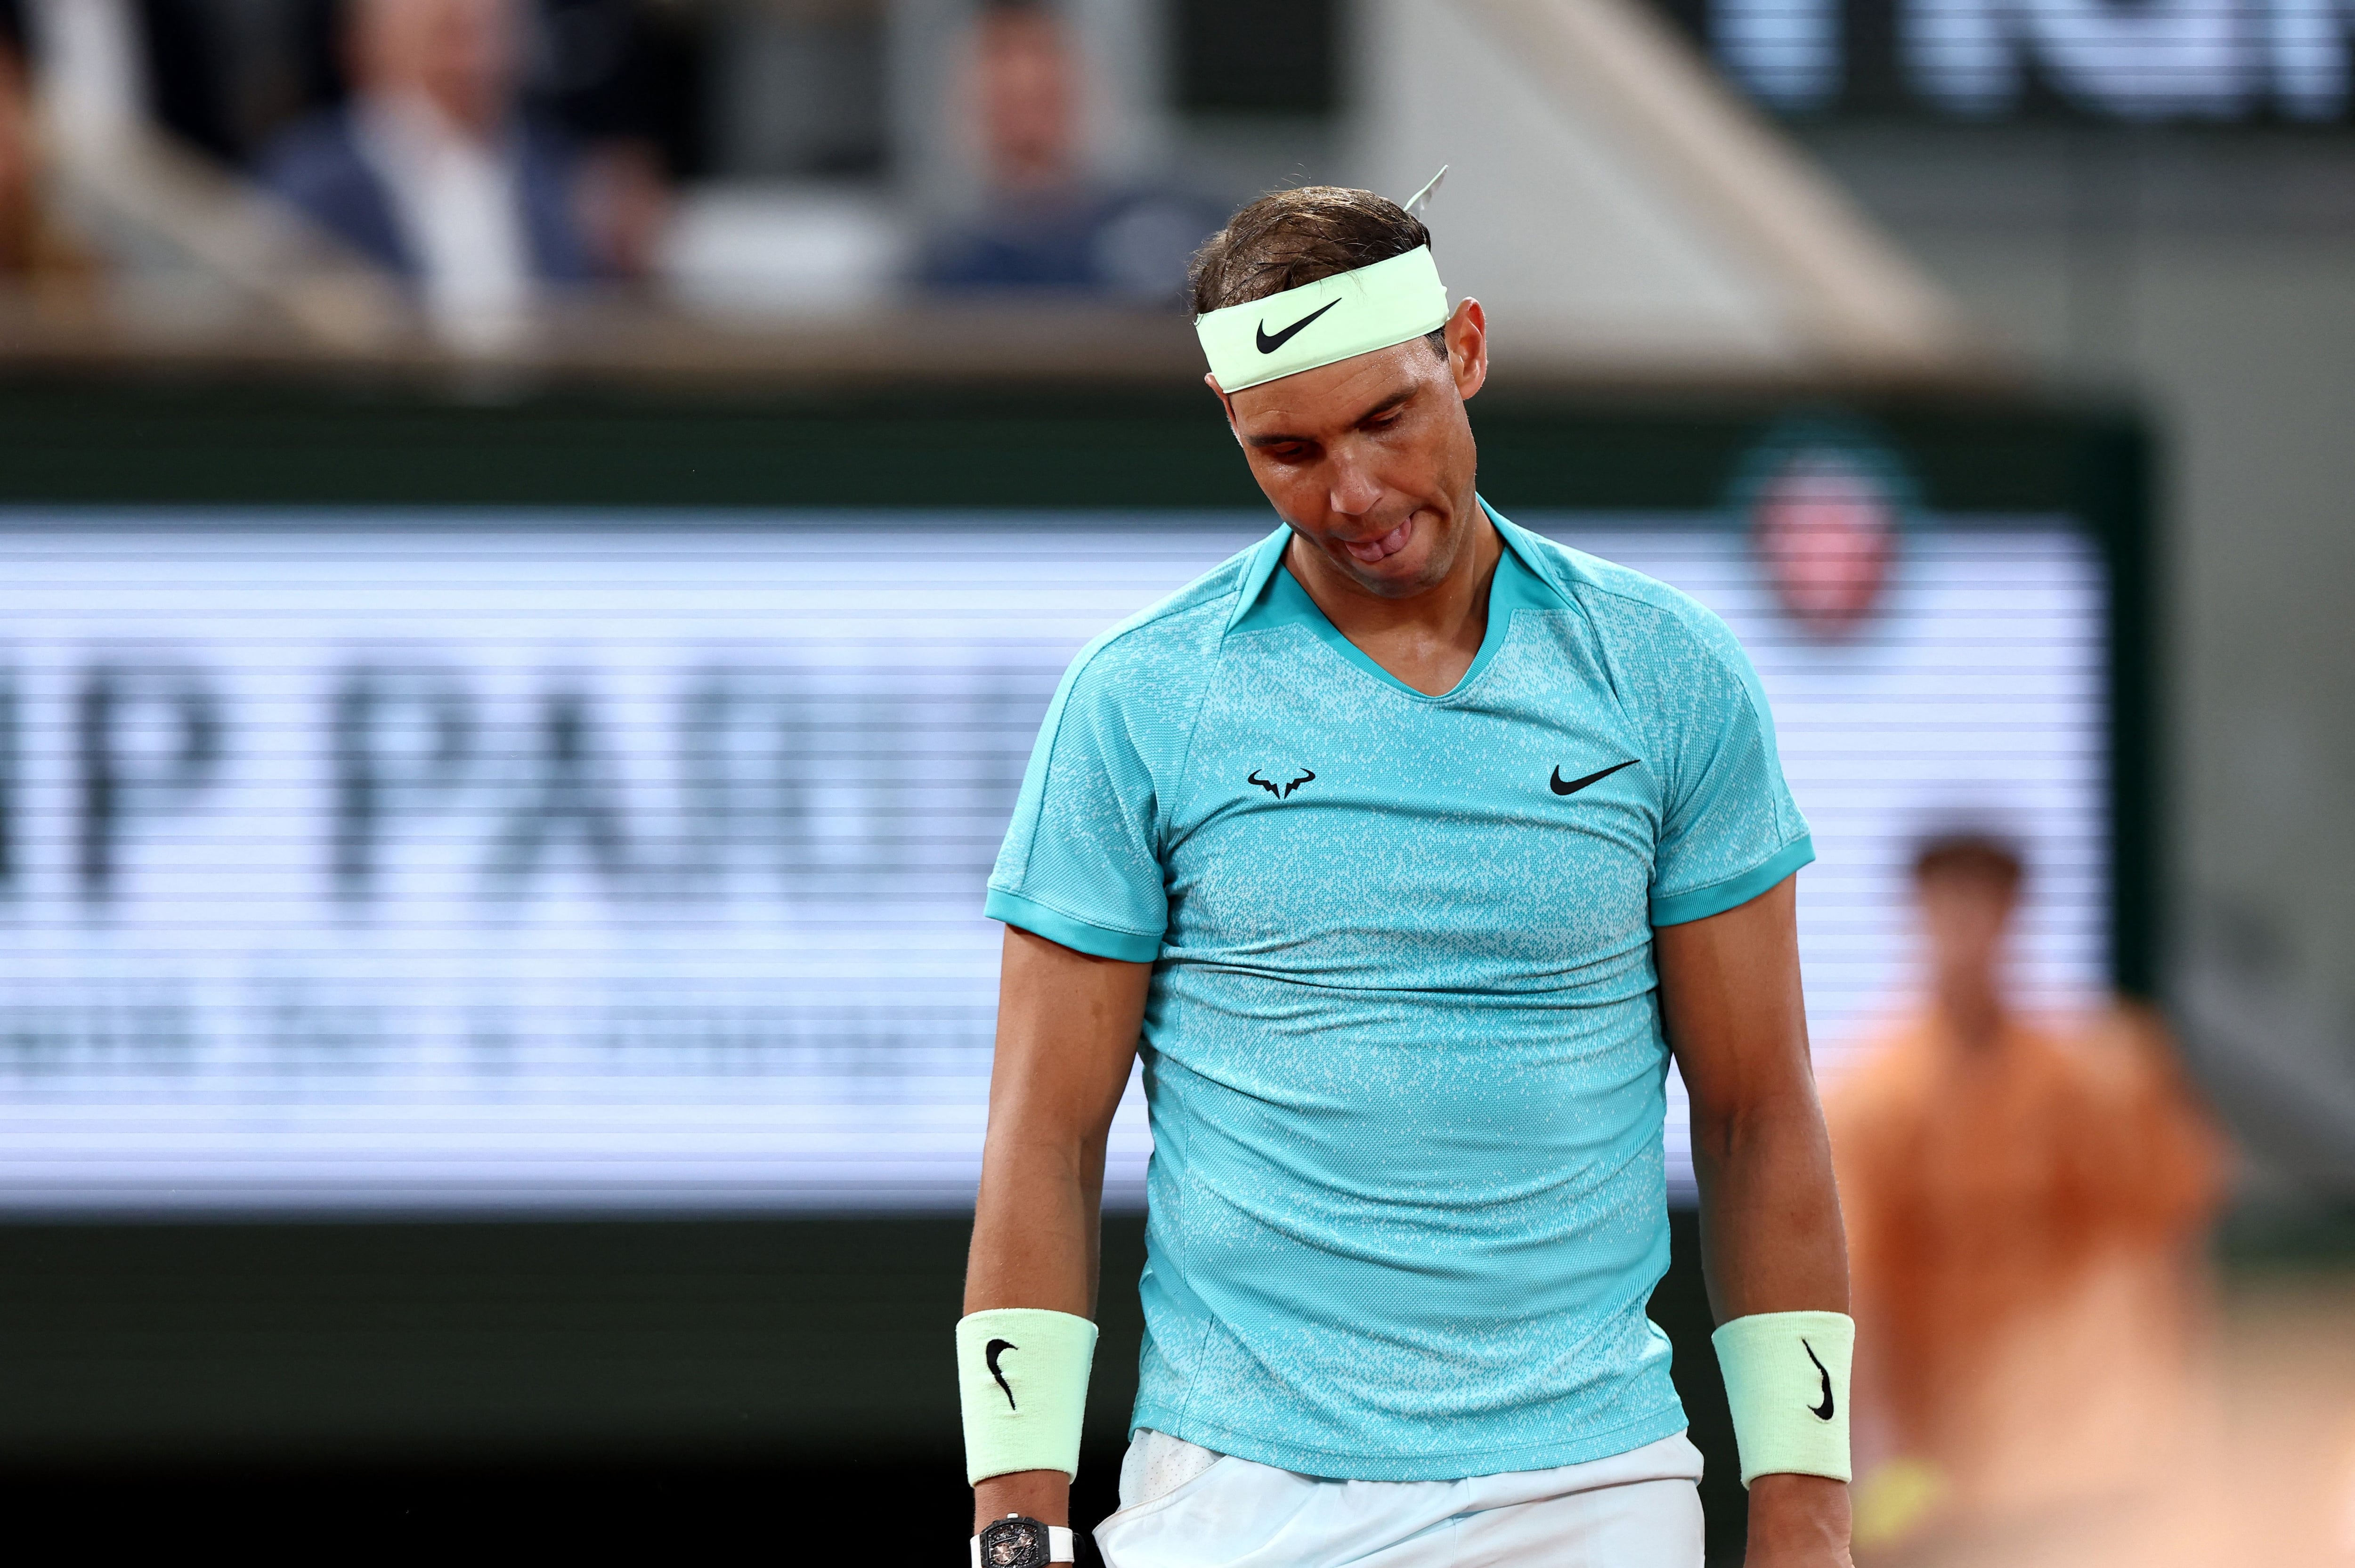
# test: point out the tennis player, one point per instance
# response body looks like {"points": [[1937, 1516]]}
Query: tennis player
{"points": [[1407, 847]]}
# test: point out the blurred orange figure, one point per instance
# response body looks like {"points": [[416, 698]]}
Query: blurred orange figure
{"points": [[2022, 1202]]}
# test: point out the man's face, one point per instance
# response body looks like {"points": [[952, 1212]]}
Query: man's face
{"points": [[1828, 534], [460, 54], [1965, 914], [1027, 93], [1371, 460]]}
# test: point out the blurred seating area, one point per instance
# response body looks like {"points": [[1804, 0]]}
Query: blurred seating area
{"points": [[639, 179], [673, 185], [1660, 190]]}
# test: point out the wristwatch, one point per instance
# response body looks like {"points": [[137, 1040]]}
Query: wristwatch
{"points": [[1017, 1542]]}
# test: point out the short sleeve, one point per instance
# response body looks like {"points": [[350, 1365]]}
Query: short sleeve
{"points": [[1729, 829], [1081, 862]]}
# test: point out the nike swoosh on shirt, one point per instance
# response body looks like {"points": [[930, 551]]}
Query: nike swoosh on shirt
{"points": [[1269, 345], [1571, 786]]}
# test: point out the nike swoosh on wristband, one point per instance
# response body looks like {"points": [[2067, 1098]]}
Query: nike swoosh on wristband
{"points": [[1571, 786], [990, 1353], [1820, 1411], [1269, 345]]}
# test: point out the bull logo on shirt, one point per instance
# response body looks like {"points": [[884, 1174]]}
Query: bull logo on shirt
{"points": [[1292, 779]]}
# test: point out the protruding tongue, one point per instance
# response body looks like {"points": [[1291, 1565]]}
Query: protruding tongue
{"points": [[1390, 543]]}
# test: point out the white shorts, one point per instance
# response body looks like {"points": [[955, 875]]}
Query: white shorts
{"points": [[1185, 1507]]}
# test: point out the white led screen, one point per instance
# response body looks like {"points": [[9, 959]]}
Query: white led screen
{"points": [[525, 861], [2128, 59]]}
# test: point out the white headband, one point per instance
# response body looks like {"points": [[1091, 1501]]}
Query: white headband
{"points": [[1332, 319]]}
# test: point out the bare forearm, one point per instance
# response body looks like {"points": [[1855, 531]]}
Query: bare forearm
{"points": [[1770, 1237], [1772, 1242], [1034, 1244], [1035, 1228], [1067, 1028]]}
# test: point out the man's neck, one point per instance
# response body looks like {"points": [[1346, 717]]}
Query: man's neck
{"points": [[1973, 1013], [1427, 641], [428, 117]]}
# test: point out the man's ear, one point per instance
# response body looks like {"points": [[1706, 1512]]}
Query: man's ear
{"points": [[1225, 402], [1467, 347]]}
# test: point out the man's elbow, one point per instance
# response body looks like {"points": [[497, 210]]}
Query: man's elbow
{"points": [[1724, 1129]]}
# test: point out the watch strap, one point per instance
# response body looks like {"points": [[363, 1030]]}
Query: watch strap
{"points": [[1058, 1546]]}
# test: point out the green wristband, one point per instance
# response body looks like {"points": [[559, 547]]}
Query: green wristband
{"points": [[1786, 1379], [1022, 1376]]}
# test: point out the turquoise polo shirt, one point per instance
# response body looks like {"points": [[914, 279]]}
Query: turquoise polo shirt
{"points": [[1402, 1053]]}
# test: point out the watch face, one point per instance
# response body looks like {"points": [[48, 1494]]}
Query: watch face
{"points": [[1014, 1543]]}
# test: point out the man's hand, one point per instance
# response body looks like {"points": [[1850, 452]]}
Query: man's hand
{"points": [[1797, 1521]]}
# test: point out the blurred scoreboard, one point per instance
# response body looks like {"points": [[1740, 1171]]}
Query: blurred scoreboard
{"points": [[539, 861], [2130, 60]]}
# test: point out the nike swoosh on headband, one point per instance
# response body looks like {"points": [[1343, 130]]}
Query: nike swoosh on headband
{"points": [[1390, 303], [1269, 345]]}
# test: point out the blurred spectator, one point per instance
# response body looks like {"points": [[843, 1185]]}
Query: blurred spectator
{"points": [[616, 75], [35, 255], [1827, 529], [2019, 1202], [431, 170], [158, 61], [1043, 227], [19, 165]]}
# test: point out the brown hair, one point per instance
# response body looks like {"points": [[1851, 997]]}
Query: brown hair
{"points": [[1979, 855], [1288, 238]]}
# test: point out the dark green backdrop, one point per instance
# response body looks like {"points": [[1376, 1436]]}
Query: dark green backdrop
{"points": [[691, 1375]]}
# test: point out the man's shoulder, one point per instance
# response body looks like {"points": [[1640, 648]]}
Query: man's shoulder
{"points": [[1876, 1106], [1641, 623], [1619, 596], [321, 150], [1179, 635], [320, 167], [1140, 685]]}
